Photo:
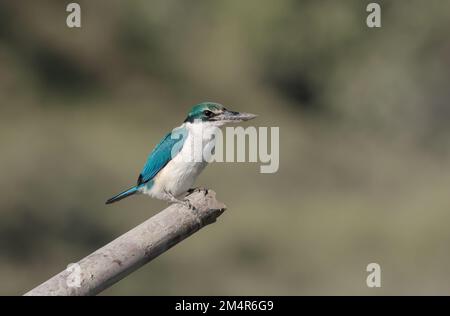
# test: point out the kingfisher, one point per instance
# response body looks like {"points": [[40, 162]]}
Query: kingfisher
{"points": [[172, 167]]}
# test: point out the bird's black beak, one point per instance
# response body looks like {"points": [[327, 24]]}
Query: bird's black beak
{"points": [[232, 116]]}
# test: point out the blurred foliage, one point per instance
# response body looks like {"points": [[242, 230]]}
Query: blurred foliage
{"points": [[364, 140]]}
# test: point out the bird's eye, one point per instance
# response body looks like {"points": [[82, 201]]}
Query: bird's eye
{"points": [[208, 113]]}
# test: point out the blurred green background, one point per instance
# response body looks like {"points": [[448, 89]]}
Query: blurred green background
{"points": [[364, 141]]}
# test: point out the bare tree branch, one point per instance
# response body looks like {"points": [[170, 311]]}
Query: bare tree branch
{"points": [[135, 248]]}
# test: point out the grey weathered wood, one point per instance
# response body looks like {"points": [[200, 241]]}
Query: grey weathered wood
{"points": [[135, 248]]}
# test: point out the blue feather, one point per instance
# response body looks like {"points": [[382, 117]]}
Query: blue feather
{"points": [[123, 195], [169, 146]]}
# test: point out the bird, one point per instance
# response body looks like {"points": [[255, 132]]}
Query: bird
{"points": [[170, 170]]}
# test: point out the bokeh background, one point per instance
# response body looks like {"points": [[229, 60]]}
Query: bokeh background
{"points": [[364, 141]]}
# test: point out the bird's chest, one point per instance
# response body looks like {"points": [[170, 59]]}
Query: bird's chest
{"points": [[180, 173], [199, 144]]}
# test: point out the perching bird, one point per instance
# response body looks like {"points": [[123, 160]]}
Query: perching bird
{"points": [[173, 165]]}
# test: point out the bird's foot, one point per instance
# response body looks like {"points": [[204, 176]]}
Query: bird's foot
{"points": [[200, 189], [188, 204], [185, 202]]}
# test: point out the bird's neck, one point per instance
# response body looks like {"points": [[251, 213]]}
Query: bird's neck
{"points": [[205, 130]]}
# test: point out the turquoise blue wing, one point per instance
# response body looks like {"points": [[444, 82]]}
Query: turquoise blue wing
{"points": [[169, 146]]}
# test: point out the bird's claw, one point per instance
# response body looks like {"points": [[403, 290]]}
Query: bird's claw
{"points": [[192, 190], [189, 205]]}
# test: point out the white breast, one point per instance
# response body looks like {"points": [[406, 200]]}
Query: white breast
{"points": [[180, 173]]}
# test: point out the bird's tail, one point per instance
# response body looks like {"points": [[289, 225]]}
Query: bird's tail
{"points": [[123, 195]]}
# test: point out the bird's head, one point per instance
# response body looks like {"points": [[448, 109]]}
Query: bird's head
{"points": [[216, 114]]}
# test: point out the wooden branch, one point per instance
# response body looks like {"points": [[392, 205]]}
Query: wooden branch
{"points": [[133, 249]]}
